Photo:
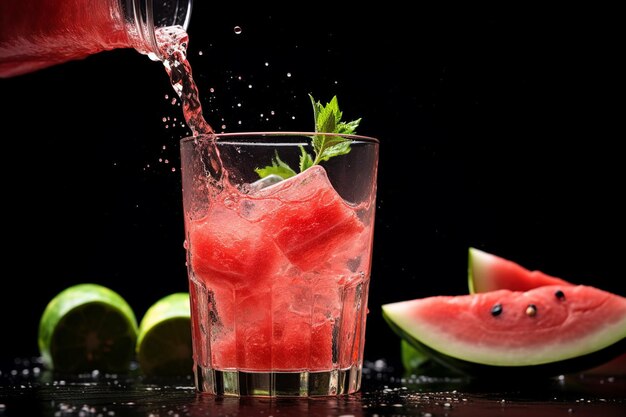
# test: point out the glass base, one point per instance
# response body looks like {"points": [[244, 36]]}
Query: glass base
{"points": [[278, 384]]}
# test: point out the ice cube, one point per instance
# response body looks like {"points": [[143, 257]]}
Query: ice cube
{"points": [[262, 183], [300, 187]]}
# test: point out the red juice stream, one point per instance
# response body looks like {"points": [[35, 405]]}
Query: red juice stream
{"points": [[173, 41]]}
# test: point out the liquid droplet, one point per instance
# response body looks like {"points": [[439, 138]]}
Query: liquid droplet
{"points": [[237, 30]]}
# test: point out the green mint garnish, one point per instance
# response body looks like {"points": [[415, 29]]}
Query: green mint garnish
{"points": [[327, 120], [278, 167], [305, 159]]}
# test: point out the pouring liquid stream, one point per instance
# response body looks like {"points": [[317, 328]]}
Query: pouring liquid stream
{"points": [[173, 42]]}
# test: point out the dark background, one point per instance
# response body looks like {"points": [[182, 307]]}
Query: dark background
{"points": [[499, 129]]}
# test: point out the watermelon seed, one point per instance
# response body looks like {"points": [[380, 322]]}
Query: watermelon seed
{"points": [[496, 310], [531, 310], [559, 294]]}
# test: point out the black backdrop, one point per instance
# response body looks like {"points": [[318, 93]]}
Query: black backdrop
{"points": [[499, 129]]}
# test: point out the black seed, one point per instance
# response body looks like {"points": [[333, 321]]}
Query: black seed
{"points": [[531, 310], [496, 310], [559, 294]]}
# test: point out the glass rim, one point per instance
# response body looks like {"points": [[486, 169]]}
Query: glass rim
{"points": [[222, 137]]}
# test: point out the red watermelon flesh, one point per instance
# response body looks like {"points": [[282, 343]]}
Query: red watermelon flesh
{"points": [[545, 325], [225, 249], [487, 272], [313, 221]]}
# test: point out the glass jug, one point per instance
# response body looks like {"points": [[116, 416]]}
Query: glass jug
{"points": [[36, 34]]}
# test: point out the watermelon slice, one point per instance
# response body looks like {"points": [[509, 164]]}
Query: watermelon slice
{"points": [[487, 272], [548, 330]]}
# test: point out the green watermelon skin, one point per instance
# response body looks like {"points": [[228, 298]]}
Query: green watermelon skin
{"points": [[583, 330], [510, 373], [487, 272]]}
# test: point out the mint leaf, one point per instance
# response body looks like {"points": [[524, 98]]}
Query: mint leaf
{"points": [[278, 167], [325, 145], [348, 128], [306, 161], [327, 119], [340, 148], [317, 108]]}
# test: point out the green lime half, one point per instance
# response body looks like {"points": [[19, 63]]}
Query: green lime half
{"points": [[418, 363], [164, 343], [412, 359], [87, 327]]}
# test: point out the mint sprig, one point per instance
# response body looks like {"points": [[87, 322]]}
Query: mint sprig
{"points": [[278, 167], [327, 120]]}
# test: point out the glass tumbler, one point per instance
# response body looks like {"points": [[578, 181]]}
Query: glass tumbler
{"points": [[278, 260]]}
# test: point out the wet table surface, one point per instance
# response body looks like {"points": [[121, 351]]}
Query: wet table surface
{"points": [[27, 390]]}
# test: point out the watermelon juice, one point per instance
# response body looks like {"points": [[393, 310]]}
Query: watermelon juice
{"points": [[279, 270]]}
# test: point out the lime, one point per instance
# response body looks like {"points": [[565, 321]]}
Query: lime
{"points": [[416, 362], [412, 359], [87, 327], [164, 342]]}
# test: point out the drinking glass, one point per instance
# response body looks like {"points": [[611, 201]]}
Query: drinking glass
{"points": [[278, 261]]}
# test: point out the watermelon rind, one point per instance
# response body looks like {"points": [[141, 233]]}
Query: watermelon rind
{"points": [[594, 347], [480, 370], [472, 255]]}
